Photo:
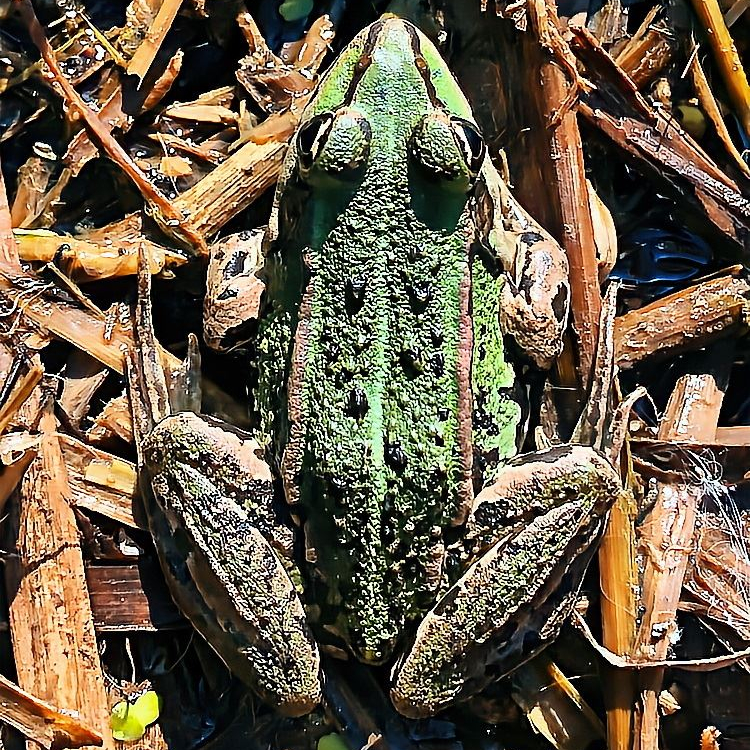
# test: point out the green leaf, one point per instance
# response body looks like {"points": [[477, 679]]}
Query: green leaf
{"points": [[129, 720], [294, 10], [332, 742], [125, 725], [148, 707]]}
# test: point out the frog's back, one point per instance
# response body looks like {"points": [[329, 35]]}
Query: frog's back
{"points": [[370, 277]]}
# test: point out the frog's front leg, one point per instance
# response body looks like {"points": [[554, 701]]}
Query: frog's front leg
{"points": [[531, 535], [535, 299], [208, 495]]}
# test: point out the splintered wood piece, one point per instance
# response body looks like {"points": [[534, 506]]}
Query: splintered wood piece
{"points": [[52, 628], [648, 51], [146, 52], [667, 540], [688, 319], [554, 707], [42, 722], [100, 481], [661, 148], [84, 375], [22, 390], [88, 328], [618, 581], [240, 179], [120, 603], [114, 420]]}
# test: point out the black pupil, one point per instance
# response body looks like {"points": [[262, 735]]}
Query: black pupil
{"points": [[475, 143], [308, 134]]}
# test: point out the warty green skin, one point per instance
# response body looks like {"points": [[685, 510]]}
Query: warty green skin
{"points": [[366, 377]]}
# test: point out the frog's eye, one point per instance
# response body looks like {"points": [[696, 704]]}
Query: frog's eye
{"points": [[470, 141], [311, 137], [447, 148], [336, 143]]}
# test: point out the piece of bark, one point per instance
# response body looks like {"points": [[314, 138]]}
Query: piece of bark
{"points": [[41, 722], [131, 597], [52, 628], [688, 319], [667, 539]]}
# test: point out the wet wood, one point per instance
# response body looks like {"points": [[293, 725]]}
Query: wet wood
{"points": [[688, 319], [50, 615]]}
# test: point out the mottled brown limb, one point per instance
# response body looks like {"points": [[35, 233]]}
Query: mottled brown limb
{"points": [[50, 615], [688, 319]]}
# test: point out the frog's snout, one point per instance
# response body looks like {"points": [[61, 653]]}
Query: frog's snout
{"points": [[372, 651]]}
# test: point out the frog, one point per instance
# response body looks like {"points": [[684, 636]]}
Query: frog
{"points": [[401, 278]]}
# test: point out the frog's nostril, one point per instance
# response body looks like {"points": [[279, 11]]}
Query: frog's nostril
{"points": [[373, 651]]}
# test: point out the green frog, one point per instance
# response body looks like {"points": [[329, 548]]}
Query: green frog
{"points": [[398, 269]]}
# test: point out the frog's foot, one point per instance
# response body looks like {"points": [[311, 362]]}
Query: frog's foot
{"points": [[208, 495], [514, 598]]}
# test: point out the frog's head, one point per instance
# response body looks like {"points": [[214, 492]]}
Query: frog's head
{"points": [[390, 107]]}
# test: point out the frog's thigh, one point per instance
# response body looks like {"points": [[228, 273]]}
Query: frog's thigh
{"points": [[514, 598], [213, 532]]}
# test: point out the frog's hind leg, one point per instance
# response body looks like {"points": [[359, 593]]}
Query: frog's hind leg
{"points": [[532, 534], [208, 494]]}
